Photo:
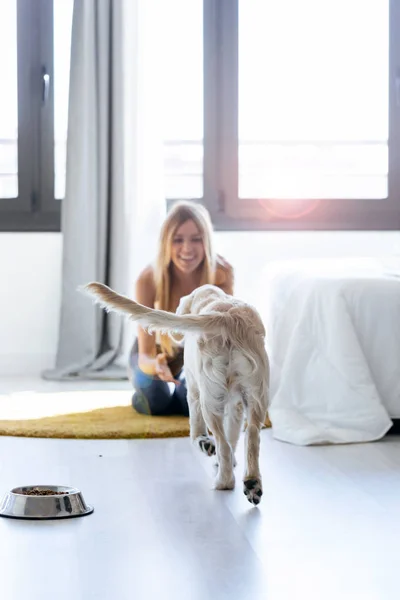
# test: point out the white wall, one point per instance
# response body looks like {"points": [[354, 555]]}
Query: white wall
{"points": [[250, 252], [30, 275]]}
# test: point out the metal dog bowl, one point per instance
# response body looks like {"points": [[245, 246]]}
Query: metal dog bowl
{"points": [[44, 502]]}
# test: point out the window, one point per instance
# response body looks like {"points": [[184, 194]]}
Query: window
{"points": [[9, 105], [279, 114], [301, 113], [34, 68], [182, 65], [313, 124]]}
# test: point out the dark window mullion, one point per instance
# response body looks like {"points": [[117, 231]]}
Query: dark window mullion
{"points": [[229, 103], [46, 110], [394, 107], [28, 36], [212, 106]]}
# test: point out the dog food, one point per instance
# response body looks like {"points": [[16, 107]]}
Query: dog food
{"points": [[41, 492]]}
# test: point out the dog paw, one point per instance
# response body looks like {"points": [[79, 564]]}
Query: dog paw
{"points": [[206, 445], [226, 482], [252, 489]]}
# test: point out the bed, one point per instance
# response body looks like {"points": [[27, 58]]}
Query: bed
{"points": [[333, 331]]}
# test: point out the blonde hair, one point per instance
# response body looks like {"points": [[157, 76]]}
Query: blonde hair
{"points": [[179, 214]]}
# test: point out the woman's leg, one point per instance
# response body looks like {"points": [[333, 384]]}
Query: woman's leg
{"points": [[152, 396], [180, 396]]}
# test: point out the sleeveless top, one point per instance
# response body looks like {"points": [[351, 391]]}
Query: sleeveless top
{"points": [[175, 363]]}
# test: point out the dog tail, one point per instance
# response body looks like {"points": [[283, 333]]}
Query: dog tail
{"points": [[150, 318]]}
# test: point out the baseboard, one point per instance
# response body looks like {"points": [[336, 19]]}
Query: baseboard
{"points": [[395, 429], [25, 364]]}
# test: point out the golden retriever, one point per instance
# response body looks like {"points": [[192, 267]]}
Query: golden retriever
{"points": [[226, 369]]}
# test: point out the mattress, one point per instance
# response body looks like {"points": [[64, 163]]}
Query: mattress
{"points": [[333, 338]]}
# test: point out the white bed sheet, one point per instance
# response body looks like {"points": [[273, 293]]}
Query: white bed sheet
{"points": [[333, 331]]}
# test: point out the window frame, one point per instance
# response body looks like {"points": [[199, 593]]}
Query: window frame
{"points": [[35, 209], [221, 165]]}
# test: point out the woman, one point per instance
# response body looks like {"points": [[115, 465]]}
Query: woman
{"points": [[185, 261]]}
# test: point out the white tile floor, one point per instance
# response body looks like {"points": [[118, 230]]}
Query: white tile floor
{"points": [[328, 527]]}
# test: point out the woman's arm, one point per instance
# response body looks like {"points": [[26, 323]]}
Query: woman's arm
{"points": [[149, 361], [145, 294]]}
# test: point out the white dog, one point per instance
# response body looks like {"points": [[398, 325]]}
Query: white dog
{"points": [[226, 369]]}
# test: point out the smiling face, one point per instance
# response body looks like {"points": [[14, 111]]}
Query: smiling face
{"points": [[187, 252]]}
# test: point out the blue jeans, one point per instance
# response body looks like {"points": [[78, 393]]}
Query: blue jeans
{"points": [[153, 396]]}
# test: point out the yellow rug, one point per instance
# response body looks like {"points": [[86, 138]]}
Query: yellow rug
{"points": [[83, 415], [103, 423]]}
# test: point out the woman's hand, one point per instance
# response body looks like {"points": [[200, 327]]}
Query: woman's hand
{"points": [[163, 371]]}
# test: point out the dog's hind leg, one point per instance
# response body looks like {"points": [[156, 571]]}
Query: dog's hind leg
{"points": [[198, 428], [225, 479], [252, 484], [233, 423]]}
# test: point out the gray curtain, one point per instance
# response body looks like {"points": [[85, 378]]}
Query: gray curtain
{"points": [[94, 245]]}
